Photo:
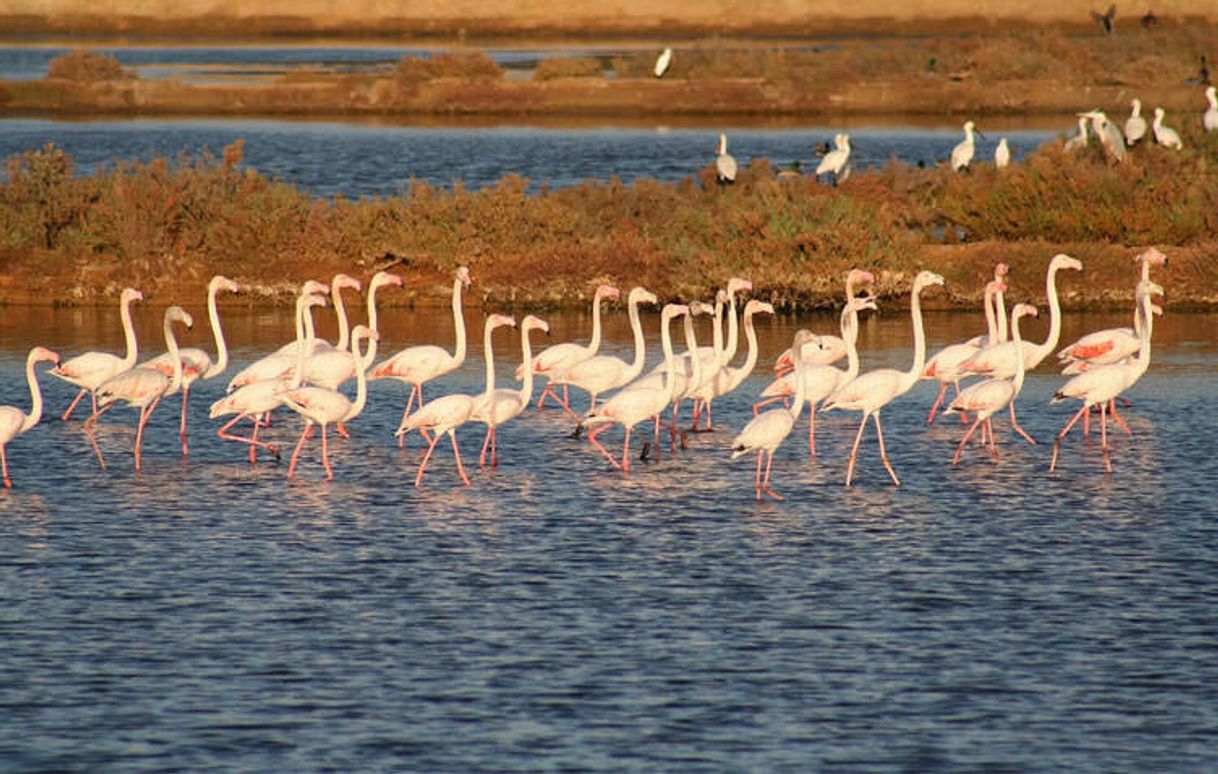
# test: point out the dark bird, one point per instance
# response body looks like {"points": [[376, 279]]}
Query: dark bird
{"points": [[1203, 75], [1105, 19], [1149, 20]]}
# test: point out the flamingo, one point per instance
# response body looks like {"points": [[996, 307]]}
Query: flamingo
{"points": [[1165, 135], [323, 405], [1135, 125], [89, 370], [1210, 119], [560, 357], [630, 406], [663, 61], [1108, 134], [265, 395], [421, 363], [142, 387], [14, 421], [1100, 386], [1002, 154], [765, 432], [1114, 344], [727, 378], [962, 154], [506, 404], [606, 372], [333, 367], [1078, 141], [196, 363], [447, 413], [824, 349], [336, 287], [725, 164], [281, 362], [685, 376], [870, 392], [944, 365], [992, 395], [836, 162], [822, 380]]}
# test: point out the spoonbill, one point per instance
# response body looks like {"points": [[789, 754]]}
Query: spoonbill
{"points": [[836, 162], [962, 154]]}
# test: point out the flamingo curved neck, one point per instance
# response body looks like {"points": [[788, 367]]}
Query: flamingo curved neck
{"points": [[171, 343], [1148, 322], [340, 311], [1055, 317], [213, 316], [991, 322], [695, 373], [1020, 369], [458, 322], [305, 346], [526, 349], [733, 331], [594, 343], [370, 347], [919, 361], [1000, 307], [850, 335], [750, 335], [129, 335], [670, 367], [640, 344], [362, 361], [717, 333], [35, 414], [490, 361]]}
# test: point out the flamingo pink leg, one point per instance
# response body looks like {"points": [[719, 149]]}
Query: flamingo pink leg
{"points": [[592, 440], [414, 389], [304, 435], [486, 442], [964, 440], [431, 447], [1015, 425], [993, 445], [4, 464], [879, 434], [769, 461], [757, 478], [854, 451], [68, 413], [494, 448], [812, 433], [1104, 436], [1112, 409], [325, 455], [182, 426], [1081, 413], [626, 452], [938, 402], [139, 433], [457, 456], [252, 441], [759, 405]]}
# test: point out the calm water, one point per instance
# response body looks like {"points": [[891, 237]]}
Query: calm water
{"points": [[369, 159], [555, 615]]}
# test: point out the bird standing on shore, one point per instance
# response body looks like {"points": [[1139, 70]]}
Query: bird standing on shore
{"points": [[1109, 135], [725, 165], [836, 162], [1002, 154], [1165, 135], [663, 62], [962, 154], [1210, 120], [1135, 125], [1079, 141]]}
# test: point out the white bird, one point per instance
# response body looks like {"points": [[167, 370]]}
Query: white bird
{"points": [[962, 154], [1210, 120], [558, 358], [727, 378], [1002, 154], [944, 365], [1135, 125], [606, 372], [1100, 386], [827, 348], [837, 161], [89, 370], [196, 363], [505, 404], [280, 362], [663, 62], [1079, 141], [325, 406], [870, 392], [142, 387], [445, 414], [987, 397], [1165, 135], [332, 368], [337, 285], [1108, 134], [765, 432], [725, 164], [14, 421]]}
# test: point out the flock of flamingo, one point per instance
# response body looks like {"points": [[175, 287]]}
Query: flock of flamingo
{"points": [[305, 374]]}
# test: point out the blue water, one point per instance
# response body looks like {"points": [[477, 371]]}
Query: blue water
{"points": [[369, 159], [554, 615]]}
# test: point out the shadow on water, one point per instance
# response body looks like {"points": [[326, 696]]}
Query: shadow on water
{"points": [[557, 615]]}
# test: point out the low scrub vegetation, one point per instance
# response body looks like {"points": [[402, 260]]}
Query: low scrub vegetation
{"points": [[86, 66]]}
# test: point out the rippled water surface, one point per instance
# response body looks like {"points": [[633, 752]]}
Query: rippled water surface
{"points": [[555, 615]]}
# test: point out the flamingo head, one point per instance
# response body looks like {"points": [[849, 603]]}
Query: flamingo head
{"points": [[178, 314], [1136, 104], [785, 362], [608, 291], [926, 279], [1001, 270], [640, 295], [220, 282], [497, 320], [534, 323], [1146, 288], [382, 278], [343, 281], [736, 284], [802, 337], [699, 307], [41, 354], [1022, 310], [1153, 257], [311, 287], [995, 286], [1155, 309], [859, 303], [129, 295], [311, 300], [1159, 113], [855, 277], [755, 307], [673, 310], [1063, 261], [463, 276]]}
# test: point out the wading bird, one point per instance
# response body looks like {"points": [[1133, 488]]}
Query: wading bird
{"points": [[505, 404], [837, 161], [1078, 141], [663, 62], [606, 372], [14, 421], [89, 370], [1109, 135], [1135, 125], [725, 164], [962, 154], [559, 358], [1002, 154], [280, 362]]}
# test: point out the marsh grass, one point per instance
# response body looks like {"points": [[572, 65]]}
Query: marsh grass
{"points": [[163, 223]]}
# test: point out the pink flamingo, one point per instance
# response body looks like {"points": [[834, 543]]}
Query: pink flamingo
{"points": [[605, 372], [506, 404], [1099, 386], [821, 381], [447, 413], [827, 349], [999, 360], [726, 378], [559, 358], [337, 285], [334, 367], [420, 364], [870, 392], [280, 363], [196, 363], [944, 365], [633, 405], [324, 406], [992, 395], [89, 370], [265, 395], [142, 387], [765, 432], [686, 375], [14, 421], [1114, 344]]}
